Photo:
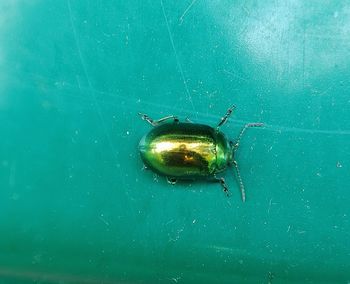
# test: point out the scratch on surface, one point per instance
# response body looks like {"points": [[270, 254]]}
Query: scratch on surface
{"points": [[303, 67], [91, 92], [235, 251], [186, 10], [48, 277], [324, 92], [234, 74], [307, 130], [268, 209], [78, 82], [169, 222], [207, 117], [12, 177], [177, 58]]}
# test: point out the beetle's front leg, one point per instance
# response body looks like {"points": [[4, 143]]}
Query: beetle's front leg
{"points": [[156, 122], [223, 184]]}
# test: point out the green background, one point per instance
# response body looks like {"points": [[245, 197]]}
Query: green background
{"points": [[75, 204]]}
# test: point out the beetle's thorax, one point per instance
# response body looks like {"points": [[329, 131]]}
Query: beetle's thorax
{"points": [[223, 152]]}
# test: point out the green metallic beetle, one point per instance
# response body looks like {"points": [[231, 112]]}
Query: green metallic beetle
{"points": [[186, 150]]}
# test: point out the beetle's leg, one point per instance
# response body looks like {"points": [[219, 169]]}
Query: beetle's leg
{"points": [[223, 184], [171, 180], [226, 116], [146, 118], [173, 117], [245, 127], [156, 122], [240, 182]]}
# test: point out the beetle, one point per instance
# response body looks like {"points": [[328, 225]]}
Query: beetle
{"points": [[187, 150]]}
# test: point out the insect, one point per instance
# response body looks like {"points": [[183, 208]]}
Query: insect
{"points": [[186, 150]]}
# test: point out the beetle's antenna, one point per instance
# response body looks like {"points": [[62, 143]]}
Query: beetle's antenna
{"points": [[226, 116], [240, 182], [245, 127], [234, 147]]}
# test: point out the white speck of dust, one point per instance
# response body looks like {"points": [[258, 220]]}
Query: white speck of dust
{"points": [[104, 220], [175, 279], [339, 165]]}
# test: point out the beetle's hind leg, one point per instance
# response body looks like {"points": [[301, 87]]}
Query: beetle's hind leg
{"points": [[156, 122], [226, 116], [223, 185]]}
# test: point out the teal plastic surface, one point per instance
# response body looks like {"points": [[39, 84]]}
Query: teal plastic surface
{"points": [[75, 204]]}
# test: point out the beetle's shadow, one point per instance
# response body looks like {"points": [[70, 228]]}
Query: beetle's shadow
{"points": [[190, 183], [194, 184]]}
